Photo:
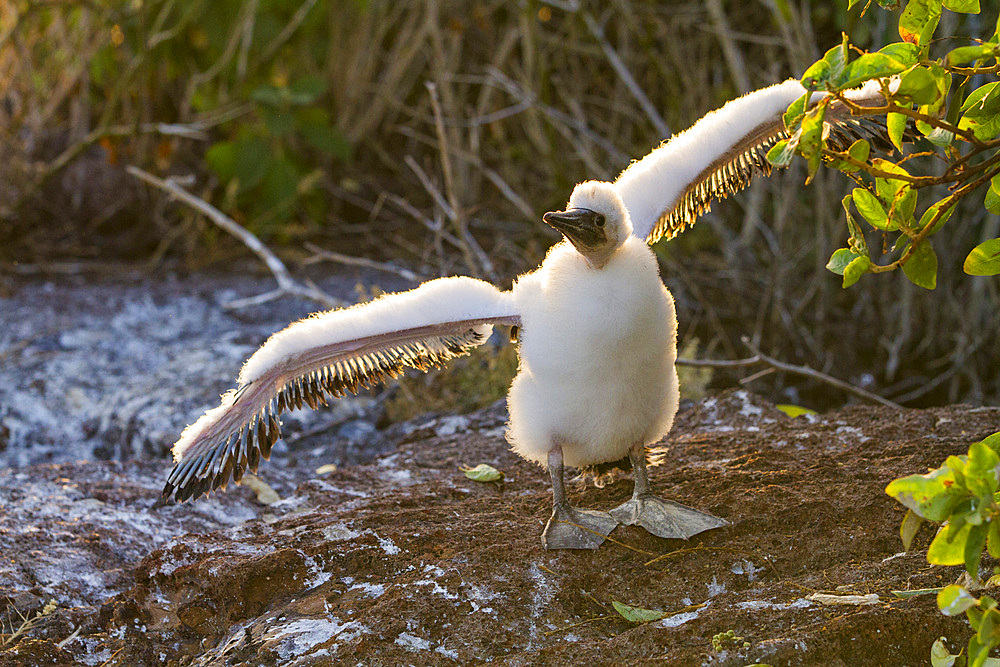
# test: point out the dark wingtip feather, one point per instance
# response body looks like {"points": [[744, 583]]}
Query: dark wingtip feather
{"points": [[242, 449]]}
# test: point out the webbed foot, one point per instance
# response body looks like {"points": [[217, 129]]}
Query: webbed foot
{"points": [[572, 528], [665, 518]]}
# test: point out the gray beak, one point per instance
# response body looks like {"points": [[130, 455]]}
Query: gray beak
{"points": [[583, 227]]}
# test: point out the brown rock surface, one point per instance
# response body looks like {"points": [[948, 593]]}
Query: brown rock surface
{"points": [[406, 561]]}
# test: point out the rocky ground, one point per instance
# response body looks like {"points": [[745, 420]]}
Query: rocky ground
{"points": [[396, 557]]}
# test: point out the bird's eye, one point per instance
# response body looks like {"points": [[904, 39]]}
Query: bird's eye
{"points": [[599, 220]]}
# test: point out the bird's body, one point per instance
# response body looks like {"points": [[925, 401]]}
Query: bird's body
{"points": [[597, 351], [597, 344]]}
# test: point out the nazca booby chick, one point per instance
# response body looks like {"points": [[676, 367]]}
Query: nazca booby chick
{"points": [[596, 378]]}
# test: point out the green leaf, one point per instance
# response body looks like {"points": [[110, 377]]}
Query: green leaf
{"points": [[253, 157], [840, 260], [903, 205], [993, 538], [268, 96], [306, 90], [982, 468], [931, 211], [948, 547], [917, 592], [963, 6], [859, 150], [940, 656], [978, 653], [932, 495], [811, 139], [992, 200], [993, 442], [896, 125], [221, 158], [919, 21], [483, 473], [279, 190], [781, 153], [908, 529], [817, 74], [316, 127], [279, 121], [941, 137], [870, 208], [245, 161], [638, 614], [794, 410], [888, 187], [968, 54], [957, 465], [795, 111], [953, 600], [983, 127], [989, 629], [907, 54], [984, 260], [919, 85], [974, 546], [983, 101], [867, 67], [856, 269], [921, 268], [934, 110]]}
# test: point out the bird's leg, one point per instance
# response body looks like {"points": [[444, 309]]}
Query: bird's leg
{"points": [[569, 527], [663, 518]]}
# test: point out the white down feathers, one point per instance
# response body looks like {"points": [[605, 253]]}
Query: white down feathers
{"points": [[597, 349], [436, 301]]}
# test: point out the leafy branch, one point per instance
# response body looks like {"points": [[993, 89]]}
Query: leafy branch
{"points": [[926, 99], [963, 495]]}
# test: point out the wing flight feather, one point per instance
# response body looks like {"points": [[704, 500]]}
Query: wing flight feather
{"points": [[671, 187], [327, 356]]}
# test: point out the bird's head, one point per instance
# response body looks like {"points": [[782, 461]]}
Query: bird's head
{"points": [[595, 221]]}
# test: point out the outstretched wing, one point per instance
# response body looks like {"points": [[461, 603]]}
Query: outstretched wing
{"points": [[328, 355], [674, 184]]}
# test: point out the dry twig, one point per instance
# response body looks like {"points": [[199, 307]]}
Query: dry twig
{"points": [[620, 68], [286, 284], [320, 254], [761, 358]]}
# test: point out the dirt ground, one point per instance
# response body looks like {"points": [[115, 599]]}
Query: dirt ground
{"points": [[406, 561]]}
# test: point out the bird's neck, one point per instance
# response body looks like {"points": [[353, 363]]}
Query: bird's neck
{"points": [[597, 260]]}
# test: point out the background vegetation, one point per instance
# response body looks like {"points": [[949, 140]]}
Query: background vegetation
{"points": [[433, 134]]}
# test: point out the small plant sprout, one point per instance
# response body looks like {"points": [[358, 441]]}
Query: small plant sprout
{"points": [[963, 496], [721, 640]]}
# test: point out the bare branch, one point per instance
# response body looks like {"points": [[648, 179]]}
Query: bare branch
{"points": [[470, 247], [286, 284], [321, 254], [561, 118], [761, 358], [616, 62]]}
